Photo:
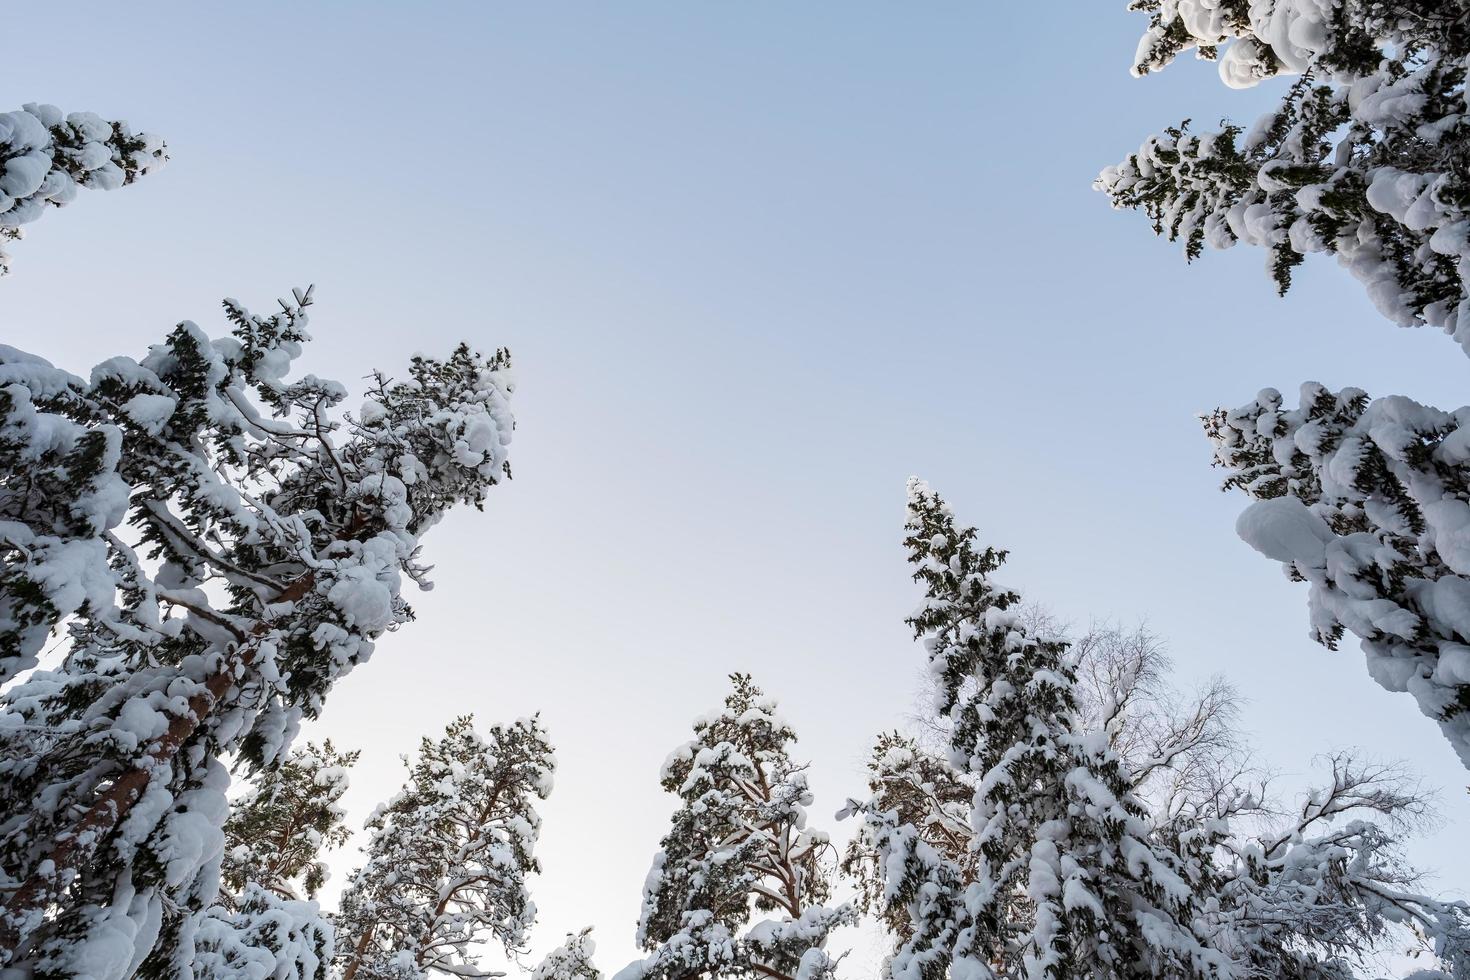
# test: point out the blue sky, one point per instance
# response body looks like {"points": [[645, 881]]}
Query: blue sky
{"points": [[758, 263]]}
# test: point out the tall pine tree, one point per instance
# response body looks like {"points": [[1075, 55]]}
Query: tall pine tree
{"points": [[222, 544], [738, 845], [920, 792], [1067, 877], [449, 859]]}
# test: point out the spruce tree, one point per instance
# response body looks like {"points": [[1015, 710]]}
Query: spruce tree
{"points": [[221, 544], [46, 157], [449, 858], [1068, 878], [738, 845], [1180, 755], [1365, 157], [1368, 502], [1311, 891]]}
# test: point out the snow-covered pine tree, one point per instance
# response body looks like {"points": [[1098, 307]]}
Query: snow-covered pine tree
{"points": [[1178, 752], [222, 548], [449, 858], [738, 845], [1315, 895], [279, 827], [1367, 501], [45, 157], [1365, 157], [258, 936], [572, 960], [264, 925], [1182, 757], [920, 791], [1068, 879]]}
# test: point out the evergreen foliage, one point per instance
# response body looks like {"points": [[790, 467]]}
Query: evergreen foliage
{"points": [[922, 793], [1367, 501], [221, 545], [46, 157], [738, 845], [1366, 157], [258, 936], [572, 960], [1061, 874], [279, 827], [449, 858]]}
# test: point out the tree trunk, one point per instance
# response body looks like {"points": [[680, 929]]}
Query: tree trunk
{"points": [[357, 951], [24, 909]]}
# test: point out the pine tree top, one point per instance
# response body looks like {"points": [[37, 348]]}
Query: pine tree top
{"points": [[738, 844], [748, 734], [980, 652], [450, 856]]}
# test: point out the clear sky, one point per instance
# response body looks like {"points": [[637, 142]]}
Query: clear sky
{"points": [[758, 263]]}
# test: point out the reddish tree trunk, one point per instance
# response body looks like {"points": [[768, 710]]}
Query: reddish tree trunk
{"points": [[28, 903]]}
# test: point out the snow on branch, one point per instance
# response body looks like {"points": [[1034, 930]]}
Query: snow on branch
{"points": [[220, 543], [46, 157], [1366, 156], [1368, 502]]}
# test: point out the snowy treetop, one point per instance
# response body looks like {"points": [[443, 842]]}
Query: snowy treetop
{"points": [[46, 157]]}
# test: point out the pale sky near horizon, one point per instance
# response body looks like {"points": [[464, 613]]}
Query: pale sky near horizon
{"points": [[758, 263]]}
